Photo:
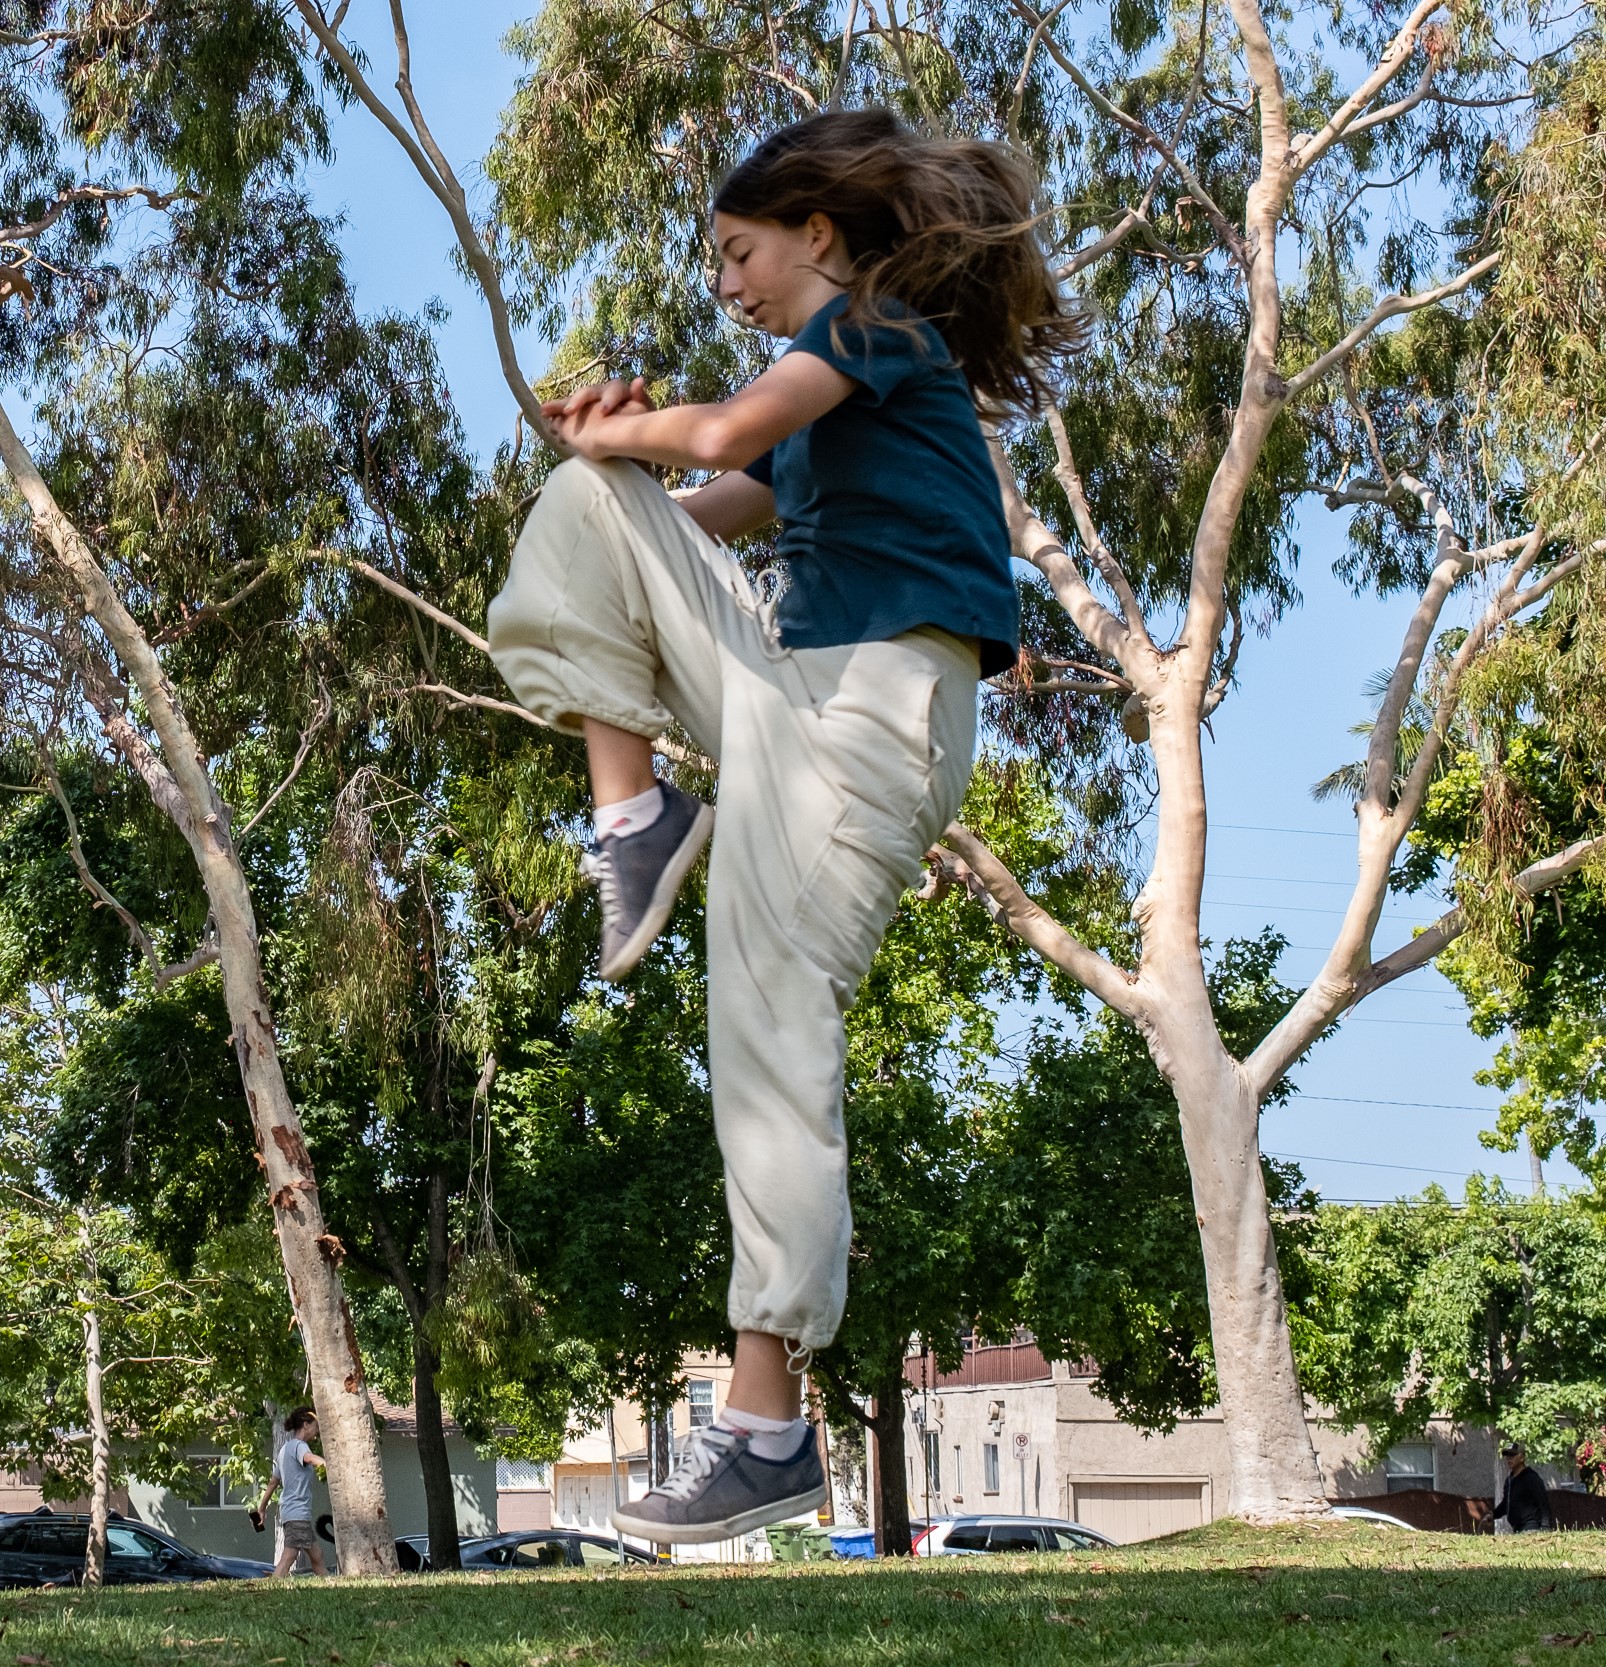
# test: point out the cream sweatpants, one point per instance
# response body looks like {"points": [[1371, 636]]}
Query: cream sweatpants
{"points": [[838, 768]]}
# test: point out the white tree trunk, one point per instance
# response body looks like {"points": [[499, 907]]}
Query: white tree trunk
{"points": [[100, 1446], [1275, 1475], [179, 783]]}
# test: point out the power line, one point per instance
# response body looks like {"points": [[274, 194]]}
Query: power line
{"points": [[1435, 1024], [1297, 909], [1279, 879], [1405, 1168], [1254, 827], [1419, 1105]]}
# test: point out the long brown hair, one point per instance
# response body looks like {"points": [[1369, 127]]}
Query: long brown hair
{"points": [[944, 226]]}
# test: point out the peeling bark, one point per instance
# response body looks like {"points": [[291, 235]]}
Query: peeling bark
{"points": [[100, 1446]]}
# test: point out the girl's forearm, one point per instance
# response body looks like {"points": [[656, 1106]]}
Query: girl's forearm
{"points": [[682, 436]]}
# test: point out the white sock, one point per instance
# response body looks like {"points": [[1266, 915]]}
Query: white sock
{"points": [[769, 1438], [629, 816]]}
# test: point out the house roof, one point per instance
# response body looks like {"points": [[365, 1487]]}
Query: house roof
{"points": [[403, 1420]]}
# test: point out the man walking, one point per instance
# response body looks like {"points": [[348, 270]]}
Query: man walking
{"points": [[1524, 1503], [292, 1481]]}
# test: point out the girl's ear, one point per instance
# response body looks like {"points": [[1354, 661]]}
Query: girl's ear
{"points": [[821, 229]]}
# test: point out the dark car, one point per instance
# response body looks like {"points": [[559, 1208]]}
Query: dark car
{"points": [[47, 1548], [528, 1548], [969, 1536]]}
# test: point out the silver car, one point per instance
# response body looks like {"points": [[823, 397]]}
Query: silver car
{"points": [[973, 1535]]}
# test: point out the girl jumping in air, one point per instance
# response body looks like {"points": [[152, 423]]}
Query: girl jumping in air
{"points": [[906, 278]]}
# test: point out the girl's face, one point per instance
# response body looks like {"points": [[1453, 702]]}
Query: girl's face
{"points": [[780, 276]]}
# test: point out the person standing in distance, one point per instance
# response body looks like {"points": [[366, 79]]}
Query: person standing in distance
{"points": [[292, 1481], [1524, 1500], [906, 275]]}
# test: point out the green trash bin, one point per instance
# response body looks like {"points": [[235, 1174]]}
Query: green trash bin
{"points": [[817, 1545], [786, 1542]]}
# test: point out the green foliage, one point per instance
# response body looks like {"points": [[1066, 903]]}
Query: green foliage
{"points": [[509, 1378], [618, 1207], [150, 1117], [186, 1359], [1490, 1313]]}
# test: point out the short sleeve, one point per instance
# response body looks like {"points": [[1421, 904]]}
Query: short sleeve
{"points": [[879, 357], [762, 469]]}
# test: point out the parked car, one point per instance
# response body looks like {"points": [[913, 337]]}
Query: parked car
{"points": [[527, 1548], [970, 1536], [47, 1548], [1364, 1513]]}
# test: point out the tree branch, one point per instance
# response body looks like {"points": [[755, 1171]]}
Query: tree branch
{"points": [[1400, 107], [413, 600], [1110, 570], [1452, 563], [992, 884], [839, 81], [1218, 690], [1308, 148], [1536, 879], [1223, 227], [443, 183], [1033, 542], [90, 194], [1391, 306], [320, 717], [204, 954], [57, 37]]}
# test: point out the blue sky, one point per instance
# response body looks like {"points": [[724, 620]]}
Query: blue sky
{"points": [[1385, 1106]]}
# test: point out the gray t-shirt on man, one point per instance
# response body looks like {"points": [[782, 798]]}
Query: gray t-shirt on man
{"points": [[295, 1481]]}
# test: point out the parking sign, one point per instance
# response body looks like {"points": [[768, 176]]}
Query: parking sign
{"points": [[1023, 1445]]}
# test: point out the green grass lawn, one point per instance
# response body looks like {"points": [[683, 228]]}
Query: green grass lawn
{"points": [[1332, 1595]]}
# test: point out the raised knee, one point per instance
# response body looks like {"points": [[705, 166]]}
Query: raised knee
{"points": [[573, 485]]}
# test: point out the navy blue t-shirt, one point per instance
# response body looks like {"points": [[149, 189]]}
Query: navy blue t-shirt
{"points": [[890, 511]]}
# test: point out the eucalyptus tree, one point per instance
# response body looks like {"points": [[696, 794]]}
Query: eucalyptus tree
{"points": [[145, 195], [1527, 775], [1189, 153], [389, 834]]}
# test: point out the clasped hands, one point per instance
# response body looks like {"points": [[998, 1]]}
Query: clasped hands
{"points": [[581, 421]]}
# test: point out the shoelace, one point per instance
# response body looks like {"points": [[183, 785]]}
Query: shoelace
{"points": [[703, 1450], [597, 867]]}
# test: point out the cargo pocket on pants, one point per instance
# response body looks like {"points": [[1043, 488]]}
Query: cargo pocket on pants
{"points": [[864, 866]]}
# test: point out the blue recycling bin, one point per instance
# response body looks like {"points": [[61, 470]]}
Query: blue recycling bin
{"points": [[853, 1542]]}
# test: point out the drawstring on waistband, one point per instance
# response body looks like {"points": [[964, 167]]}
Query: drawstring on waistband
{"points": [[799, 1357]]}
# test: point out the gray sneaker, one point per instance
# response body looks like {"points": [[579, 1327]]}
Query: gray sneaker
{"points": [[638, 875], [721, 1489]]}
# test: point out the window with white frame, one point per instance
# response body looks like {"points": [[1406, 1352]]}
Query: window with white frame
{"points": [[213, 1490], [1408, 1465], [989, 1467], [959, 1470], [934, 1461], [700, 1398], [521, 1476]]}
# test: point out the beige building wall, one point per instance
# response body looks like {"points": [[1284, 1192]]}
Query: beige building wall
{"points": [[1083, 1464]]}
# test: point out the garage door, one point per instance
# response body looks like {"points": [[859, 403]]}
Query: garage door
{"points": [[1130, 1509]]}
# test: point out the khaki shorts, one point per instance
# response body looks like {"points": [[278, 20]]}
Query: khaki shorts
{"points": [[299, 1535]]}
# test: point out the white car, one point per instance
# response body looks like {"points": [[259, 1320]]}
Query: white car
{"points": [[974, 1535], [1363, 1513]]}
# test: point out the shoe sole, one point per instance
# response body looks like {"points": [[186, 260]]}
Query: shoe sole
{"points": [[728, 1528], [664, 893]]}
